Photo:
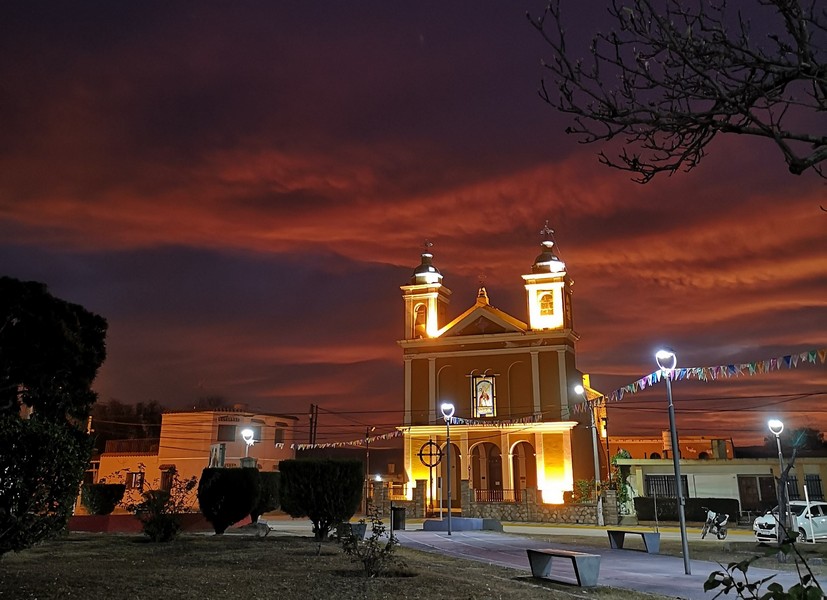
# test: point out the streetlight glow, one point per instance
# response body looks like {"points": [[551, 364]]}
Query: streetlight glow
{"points": [[775, 426], [248, 435], [667, 359]]}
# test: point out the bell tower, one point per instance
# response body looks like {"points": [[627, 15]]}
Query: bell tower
{"points": [[548, 288], [425, 299]]}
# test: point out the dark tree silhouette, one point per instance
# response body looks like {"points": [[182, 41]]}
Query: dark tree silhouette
{"points": [[672, 75]]}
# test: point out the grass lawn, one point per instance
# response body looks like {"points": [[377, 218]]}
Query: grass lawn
{"points": [[101, 566]]}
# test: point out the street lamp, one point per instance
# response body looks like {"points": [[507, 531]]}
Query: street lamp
{"points": [[581, 391], [368, 431], [776, 427], [447, 413], [667, 361], [248, 435]]}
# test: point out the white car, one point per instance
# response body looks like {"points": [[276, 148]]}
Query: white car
{"points": [[811, 524]]}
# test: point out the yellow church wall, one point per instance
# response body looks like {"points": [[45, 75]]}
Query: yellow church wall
{"points": [[549, 385], [420, 399], [555, 477]]}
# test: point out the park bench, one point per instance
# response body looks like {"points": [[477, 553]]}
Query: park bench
{"points": [[651, 539], [586, 566]]}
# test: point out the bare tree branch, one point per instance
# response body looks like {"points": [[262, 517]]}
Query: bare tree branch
{"points": [[667, 80]]}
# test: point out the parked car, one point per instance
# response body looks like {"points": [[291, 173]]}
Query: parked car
{"points": [[810, 524]]}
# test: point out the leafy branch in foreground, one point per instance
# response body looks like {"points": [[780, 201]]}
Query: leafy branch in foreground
{"points": [[671, 76], [735, 577]]}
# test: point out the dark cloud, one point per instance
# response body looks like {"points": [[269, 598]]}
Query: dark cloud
{"points": [[241, 189]]}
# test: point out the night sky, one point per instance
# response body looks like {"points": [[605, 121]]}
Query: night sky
{"points": [[241, 188]]}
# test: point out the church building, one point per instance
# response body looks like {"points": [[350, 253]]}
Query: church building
{"points": [[511, 383]]}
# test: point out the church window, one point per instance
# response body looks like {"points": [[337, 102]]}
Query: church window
{"points": [[420, 320], [483, 396], [547, 304]]}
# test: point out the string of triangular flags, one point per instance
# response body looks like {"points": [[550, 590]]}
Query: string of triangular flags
{"points": [[359, 442], [399, 433], [788, 361], [701, 373]]}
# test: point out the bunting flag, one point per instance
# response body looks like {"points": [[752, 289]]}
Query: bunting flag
{"points": [[788, 361], [359, 442]]}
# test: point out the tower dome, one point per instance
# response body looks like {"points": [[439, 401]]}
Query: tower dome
{"points": [[547, 261], [426, 272]]}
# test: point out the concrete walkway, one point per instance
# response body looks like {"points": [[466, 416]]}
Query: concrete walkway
{"points": [[624, 569]]}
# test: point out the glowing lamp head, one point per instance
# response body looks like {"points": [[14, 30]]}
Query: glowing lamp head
{"points": [[248, 435], [579, 389], [447, 410], [667, 359], [776, 426]]}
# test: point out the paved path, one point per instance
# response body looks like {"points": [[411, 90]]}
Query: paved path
{"points": [[625, 569]]}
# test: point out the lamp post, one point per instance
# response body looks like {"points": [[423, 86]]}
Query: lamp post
{"points": [[368, 431], [776, 427], [667, 360], [581, 391], [447, 413]]}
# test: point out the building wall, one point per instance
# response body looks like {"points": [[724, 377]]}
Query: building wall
{"points": [[719, 478], [186, 441]]}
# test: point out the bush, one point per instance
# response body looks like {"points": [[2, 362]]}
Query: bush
{"points": [[160, 511], [228, 495], [42, 465], [101, 498], [326, 491], [694, 511], [268, 498], [375, 554]]}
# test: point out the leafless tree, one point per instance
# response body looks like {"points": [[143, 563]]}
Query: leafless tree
{"points": [[670, 77]]}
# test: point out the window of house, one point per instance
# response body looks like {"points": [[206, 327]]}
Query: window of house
{"points": [[813, 483], [256, 433], [547, 304], [279, 435], [134, 480], [226, 433], [663, 486], [166, 479]]}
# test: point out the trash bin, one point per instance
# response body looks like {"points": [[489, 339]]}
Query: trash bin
{"points": [[398, 518]]}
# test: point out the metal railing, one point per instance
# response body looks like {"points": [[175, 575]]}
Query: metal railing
{"points": [[497, 495]]}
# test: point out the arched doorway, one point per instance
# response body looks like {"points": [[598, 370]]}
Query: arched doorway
{"points": [[486, 469], [523, 467]]}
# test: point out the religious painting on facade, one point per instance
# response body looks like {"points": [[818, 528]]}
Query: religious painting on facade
{"points": [[483, 396]]}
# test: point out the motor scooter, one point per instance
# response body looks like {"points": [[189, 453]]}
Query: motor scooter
{"points": [[715, 523]]}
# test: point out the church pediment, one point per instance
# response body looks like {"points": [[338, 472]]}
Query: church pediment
{"points": [[483, 320]]}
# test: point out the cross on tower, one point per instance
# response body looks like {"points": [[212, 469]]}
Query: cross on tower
{"points": [[547, 232]]}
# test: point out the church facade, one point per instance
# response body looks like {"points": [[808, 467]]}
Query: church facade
{"points": [[511, 384]]}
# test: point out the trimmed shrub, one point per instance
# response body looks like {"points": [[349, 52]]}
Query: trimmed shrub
{"points": [[161, 512], [668, 508], [101, 498], [226, 496], [326, 491], [42, 465], [268, 499]]}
